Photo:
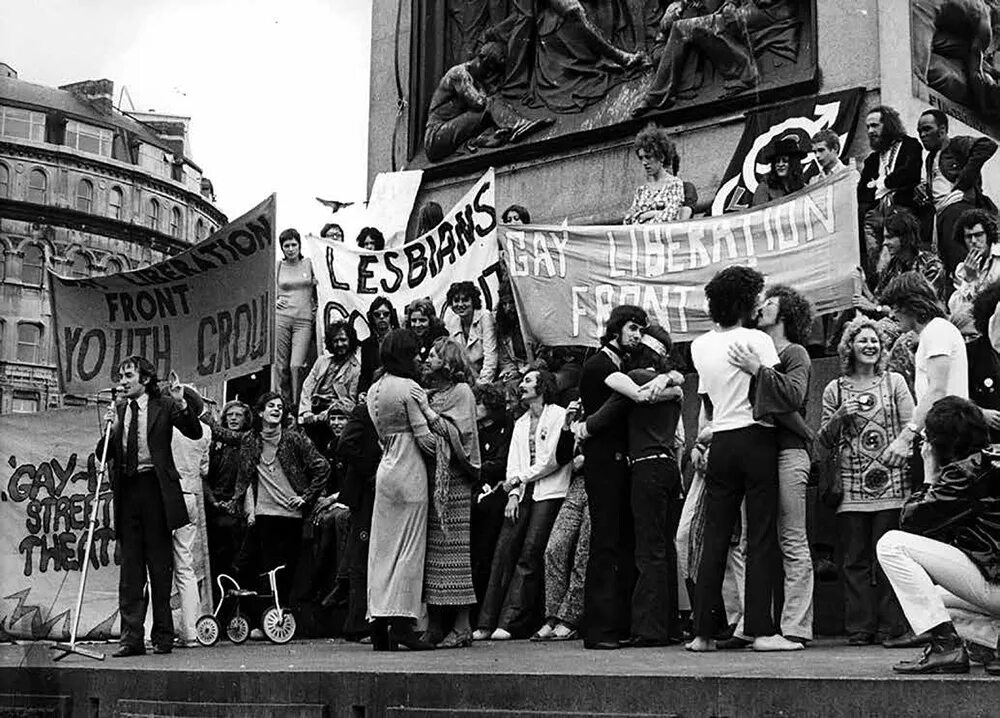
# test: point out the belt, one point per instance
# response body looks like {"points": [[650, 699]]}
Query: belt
{"points": [[668, 457]]}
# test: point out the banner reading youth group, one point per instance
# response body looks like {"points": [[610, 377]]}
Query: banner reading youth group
{"points": [[463, 247], [205, 313], [567, 279]]}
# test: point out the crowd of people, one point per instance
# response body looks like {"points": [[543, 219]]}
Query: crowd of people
{"points": [[443, 486]]}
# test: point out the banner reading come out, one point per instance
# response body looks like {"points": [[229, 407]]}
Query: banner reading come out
{"points": [[567, 279], [205, 313], [463, 247]]}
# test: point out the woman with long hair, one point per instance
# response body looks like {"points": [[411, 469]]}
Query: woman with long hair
{"points": [[785, 173], [536, 485], [295, 314], [864, 410], [281, 474], [398, 539], [423, 321], [661, 198], [449, 408]]}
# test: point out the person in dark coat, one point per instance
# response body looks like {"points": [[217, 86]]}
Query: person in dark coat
{"points": [[360, 450], [148, 500], [382, 318], [946, 554], [984, 359]]}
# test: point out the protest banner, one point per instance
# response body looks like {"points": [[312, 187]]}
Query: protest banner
{"points": [[45, 504], [567, 279], [206, 313], [462, 247]]}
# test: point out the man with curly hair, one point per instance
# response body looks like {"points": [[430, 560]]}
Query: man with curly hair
{"points": [[742, 463], [980, 268], [781, 395]]}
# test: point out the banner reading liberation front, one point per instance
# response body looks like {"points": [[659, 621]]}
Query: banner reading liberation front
{"points": [[567, 279], [463, 247], [206, 313]]}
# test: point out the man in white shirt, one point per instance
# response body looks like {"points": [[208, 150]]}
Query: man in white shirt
{"points": [[742, 462], [941, 364]]}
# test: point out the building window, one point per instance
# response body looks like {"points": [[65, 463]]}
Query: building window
{"points": [[85, 195], [175, 223], [33, 266], [79, 267], [22, 124], [113, 266], [4, 181], [24, 402], [199, 230], [155, 160], [115, 201], [38, 187], [29, 343], [153, 214], [88, 138]]}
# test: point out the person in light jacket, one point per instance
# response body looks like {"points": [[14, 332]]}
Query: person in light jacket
{"points": [[474, 328], [536, 485]]}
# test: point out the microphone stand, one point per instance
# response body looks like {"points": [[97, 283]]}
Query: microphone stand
{"points": [[72, 647]]}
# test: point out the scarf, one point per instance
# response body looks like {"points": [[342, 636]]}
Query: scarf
{"points": [[271, 436]]}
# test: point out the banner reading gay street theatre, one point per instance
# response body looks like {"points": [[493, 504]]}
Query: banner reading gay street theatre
{"points": [[205, 313], [567, 279], [463, 247], [47, 482]]}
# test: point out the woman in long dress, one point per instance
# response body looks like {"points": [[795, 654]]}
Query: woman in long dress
{"points": [[398, 539], [450, 409]]}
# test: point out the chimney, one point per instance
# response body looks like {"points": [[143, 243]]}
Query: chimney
{"points": [[7, 71], [99, 93]]}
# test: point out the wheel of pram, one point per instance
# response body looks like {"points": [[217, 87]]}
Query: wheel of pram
{"points": [[238, 628], [278, 625], [206, 629]]}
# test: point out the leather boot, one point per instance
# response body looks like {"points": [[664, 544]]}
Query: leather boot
{"points": [[401, 633], [381, 640], [993, 667], [945, 654]]}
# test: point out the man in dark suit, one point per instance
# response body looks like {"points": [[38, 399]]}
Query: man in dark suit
{"points": [[952, 182], [149, 503]]}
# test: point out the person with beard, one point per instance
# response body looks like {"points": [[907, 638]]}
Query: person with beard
{"points": [[611, 562], [742, 462], [495, 427], [449, 407], [224, 522], [381, 320], [360, 450], [332, 384], [984, 358], [473, 328], [781, 394], [656, 487], [952, 183], [536, 485], [423, 321], [889, 177]]}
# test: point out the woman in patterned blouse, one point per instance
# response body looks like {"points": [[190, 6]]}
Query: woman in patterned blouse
{"points": [[661, 199]]}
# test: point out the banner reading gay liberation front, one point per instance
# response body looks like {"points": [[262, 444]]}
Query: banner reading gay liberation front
{"points": [[46, 489], [205, 313], [462, 248], [567, 279]]}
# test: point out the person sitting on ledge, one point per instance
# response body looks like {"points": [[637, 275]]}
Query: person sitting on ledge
{"points": [[785, 175], [661, 199], [946, 555], [462, 111]]}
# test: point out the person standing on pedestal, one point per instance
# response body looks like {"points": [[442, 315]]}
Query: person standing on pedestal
{"points": [[149, 502], [294, 317]]}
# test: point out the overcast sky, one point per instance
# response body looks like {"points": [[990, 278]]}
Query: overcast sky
{"points": [[277, 90]]}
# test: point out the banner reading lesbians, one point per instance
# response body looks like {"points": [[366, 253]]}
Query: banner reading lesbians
{"points": [[46, 493], [567, 279], [462, 248], [205, 313]]}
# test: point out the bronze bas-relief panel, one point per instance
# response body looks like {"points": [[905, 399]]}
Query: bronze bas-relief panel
{"points": [[497, 81]]}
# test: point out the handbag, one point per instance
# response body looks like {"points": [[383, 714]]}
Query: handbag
{"points": [[830, 482]]}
